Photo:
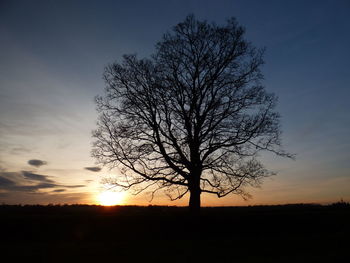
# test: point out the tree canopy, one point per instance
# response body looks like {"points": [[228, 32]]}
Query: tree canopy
{"points": [[192, 118]]}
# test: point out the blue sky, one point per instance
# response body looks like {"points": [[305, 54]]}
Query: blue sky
{"points": [[52, 56]]}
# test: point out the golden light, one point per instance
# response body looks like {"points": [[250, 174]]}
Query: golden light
{"points": [[109, 198]]}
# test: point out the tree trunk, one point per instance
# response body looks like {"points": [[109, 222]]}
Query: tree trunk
{"points": [[195, 201], [195, 189]]}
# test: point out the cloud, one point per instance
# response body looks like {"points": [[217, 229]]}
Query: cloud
{"points": [[93, 169], [9, 178], [74, 186], [36, 163], [53, 197], [7, 184], [36, 177], [26, 187], [59, 190], [4, 182], [28, 182], [33, 188]]}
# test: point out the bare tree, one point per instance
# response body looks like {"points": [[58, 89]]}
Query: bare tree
{"points": [[192, 118]]}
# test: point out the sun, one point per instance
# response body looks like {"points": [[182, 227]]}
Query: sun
{"points": [[109, 198]]}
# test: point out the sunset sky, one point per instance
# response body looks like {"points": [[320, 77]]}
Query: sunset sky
{"points": [[53, 53]]}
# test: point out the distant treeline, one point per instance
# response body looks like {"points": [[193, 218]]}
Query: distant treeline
{"points": [[151, 209]]}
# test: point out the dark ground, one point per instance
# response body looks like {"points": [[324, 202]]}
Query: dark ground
{"points": [[78, 233]]}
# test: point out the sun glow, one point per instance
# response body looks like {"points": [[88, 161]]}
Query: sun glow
{"points": [[109, 198]]}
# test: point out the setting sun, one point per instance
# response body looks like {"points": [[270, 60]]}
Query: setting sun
{"points": [[109, 198]]}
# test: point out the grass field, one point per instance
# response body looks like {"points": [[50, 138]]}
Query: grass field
{"points": [[79, 233]]}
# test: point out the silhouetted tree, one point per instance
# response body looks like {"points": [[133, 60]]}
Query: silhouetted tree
{"points": [[192, 118]]}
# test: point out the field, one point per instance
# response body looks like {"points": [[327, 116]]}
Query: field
{"points": [[81, 233]]}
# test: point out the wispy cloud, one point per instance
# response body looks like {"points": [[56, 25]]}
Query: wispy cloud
{"points": [[25, 181], [93, 169], [5, 183], [36, 177], [72, 186], [56, 197], [59, 190]]}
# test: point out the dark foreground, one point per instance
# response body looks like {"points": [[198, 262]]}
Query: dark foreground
{"points": [[293, 233]]}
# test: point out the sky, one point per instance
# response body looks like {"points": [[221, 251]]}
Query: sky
{"points": [[52, 57]]}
